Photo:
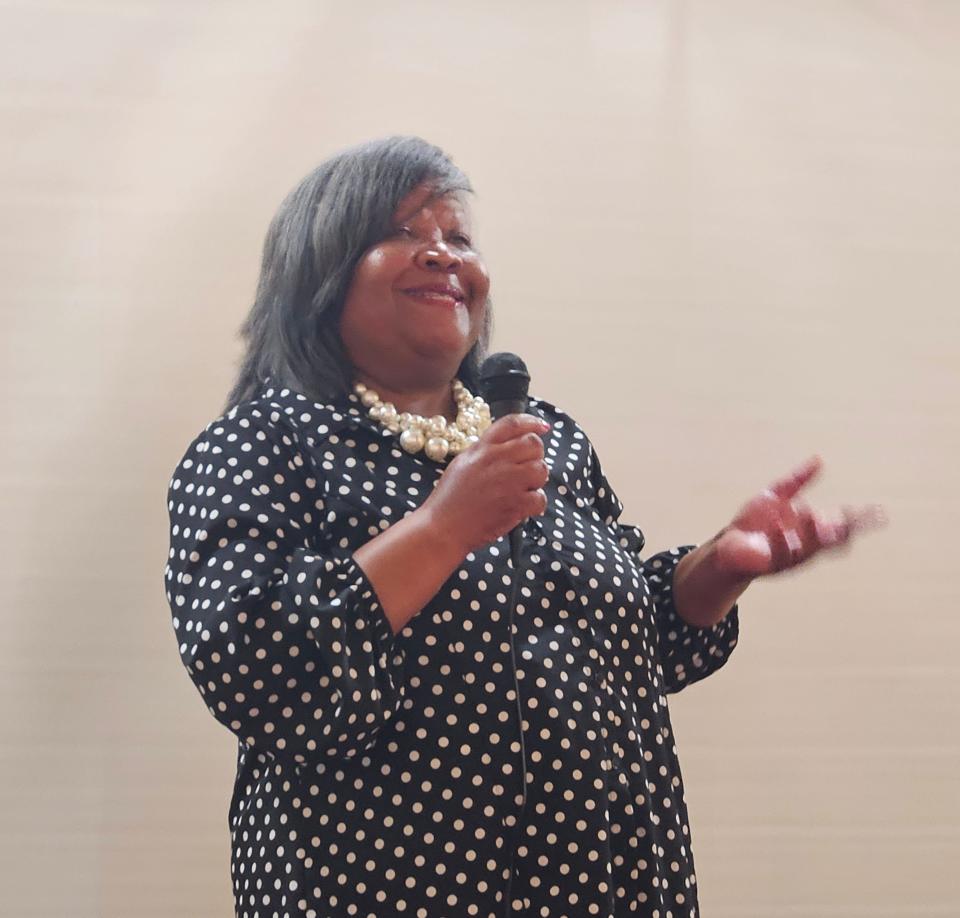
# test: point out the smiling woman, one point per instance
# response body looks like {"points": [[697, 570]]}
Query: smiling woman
{"points": [[338, 575]]}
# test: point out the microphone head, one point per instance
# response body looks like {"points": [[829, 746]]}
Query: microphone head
{"points": [[504, 377]]}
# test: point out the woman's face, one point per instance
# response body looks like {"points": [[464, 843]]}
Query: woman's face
{"points": [[417, 300]]}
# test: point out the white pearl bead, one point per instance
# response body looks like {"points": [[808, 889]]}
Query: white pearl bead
{"points": [[412, 440], [437, 448], [438, 425], [369, 397]]}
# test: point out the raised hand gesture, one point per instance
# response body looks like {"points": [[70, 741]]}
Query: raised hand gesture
{"points": [[775, 531]]}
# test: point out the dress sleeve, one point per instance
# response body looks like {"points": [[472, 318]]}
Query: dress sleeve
{"points": [[286, 641], [687, 653]]}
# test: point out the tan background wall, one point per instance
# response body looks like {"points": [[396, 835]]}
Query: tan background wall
{"points": [[723, 234]]}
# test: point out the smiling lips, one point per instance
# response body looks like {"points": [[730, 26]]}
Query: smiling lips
{"points": [[439, 294]]}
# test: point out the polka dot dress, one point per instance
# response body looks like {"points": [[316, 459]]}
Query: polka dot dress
{"points": [[382, 774]]}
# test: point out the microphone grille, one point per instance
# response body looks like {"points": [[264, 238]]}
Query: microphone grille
{"points": [[504, 376]]}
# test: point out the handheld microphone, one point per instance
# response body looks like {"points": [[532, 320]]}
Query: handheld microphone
{"points": [[504, 382]]}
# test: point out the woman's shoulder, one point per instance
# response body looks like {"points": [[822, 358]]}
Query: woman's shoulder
{"points": [[270, 426], [279, 411]]}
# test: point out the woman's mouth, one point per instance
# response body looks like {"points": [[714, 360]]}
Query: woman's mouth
{"points": [[437, 295]]}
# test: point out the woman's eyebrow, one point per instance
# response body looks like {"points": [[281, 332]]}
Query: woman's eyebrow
{"points": [[405, 217]]}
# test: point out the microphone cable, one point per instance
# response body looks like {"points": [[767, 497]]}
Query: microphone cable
{"points": [[516, 541]]}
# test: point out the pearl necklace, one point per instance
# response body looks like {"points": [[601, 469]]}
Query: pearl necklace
{"points": [[435, 436]]}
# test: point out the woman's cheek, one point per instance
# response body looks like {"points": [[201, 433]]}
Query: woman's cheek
{"points": [[479, 281]]}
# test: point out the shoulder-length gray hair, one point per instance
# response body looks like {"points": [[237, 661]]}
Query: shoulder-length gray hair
{"points": [[312, 247]]}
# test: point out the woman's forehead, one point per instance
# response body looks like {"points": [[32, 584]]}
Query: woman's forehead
{"points": [[424, 197]]}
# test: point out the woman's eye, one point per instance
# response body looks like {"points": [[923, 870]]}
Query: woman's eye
{"points": [[462, 239]]}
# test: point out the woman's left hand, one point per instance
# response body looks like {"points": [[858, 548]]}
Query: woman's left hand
{"points": [[775, 531]]}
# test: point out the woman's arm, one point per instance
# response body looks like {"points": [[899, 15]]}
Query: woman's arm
{"points": [[292, 645], [408, 563], [703, 593], [286, 641], [482, 494]]}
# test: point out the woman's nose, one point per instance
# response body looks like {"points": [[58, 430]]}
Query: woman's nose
{"points": [[435, 256]]}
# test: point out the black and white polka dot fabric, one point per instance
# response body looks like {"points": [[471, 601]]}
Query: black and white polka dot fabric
{"points": [[381, 775]]}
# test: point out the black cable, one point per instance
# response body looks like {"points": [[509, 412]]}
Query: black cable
{"points": [[515, 552]]}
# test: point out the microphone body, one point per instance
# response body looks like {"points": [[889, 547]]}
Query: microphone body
{"points": [[504, 382]]}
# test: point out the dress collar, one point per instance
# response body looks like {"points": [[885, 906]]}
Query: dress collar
{"points": [[342, 411]]}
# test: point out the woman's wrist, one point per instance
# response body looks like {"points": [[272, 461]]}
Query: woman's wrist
{"points": [[703, 593], [438, 538]]}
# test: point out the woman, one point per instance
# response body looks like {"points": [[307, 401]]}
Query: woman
{"points": [[339, 576]]}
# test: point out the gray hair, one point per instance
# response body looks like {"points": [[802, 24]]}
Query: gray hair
{"points": [[315, 240]]}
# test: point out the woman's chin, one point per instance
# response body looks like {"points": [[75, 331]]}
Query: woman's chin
{"points": [[446, 350]]}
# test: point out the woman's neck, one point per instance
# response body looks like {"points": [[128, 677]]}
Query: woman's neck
{"points": [[426, 400]]}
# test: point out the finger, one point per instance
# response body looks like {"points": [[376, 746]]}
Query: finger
{"points": [[788, 486], [794, 547], [801, 533], [535, 503], [833, 530], [533, 474], [836, 529], [807, 528], [511, 426], [525, 448], [872, 516], [786, 547], [785, 530], [826, 531]]}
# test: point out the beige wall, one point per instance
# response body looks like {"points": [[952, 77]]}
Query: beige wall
{"points": [[739, 221]]}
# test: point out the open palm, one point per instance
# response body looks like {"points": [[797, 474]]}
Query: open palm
{"points": [[775, 531]]}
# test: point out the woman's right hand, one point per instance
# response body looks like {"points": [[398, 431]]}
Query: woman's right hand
{"points": [[490, 487]]}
